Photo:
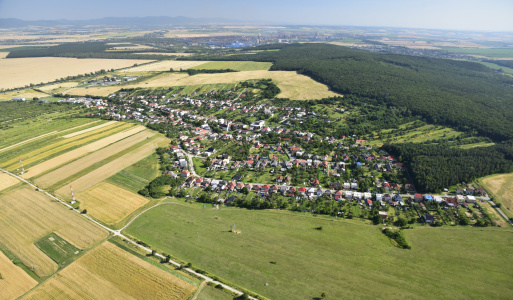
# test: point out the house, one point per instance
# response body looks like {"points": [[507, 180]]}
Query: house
{"points": [[383, 215], [471, 199], [357, 195], [398, 197], [348, 195], [339, 194], [185, 173], [236, 178], [347, 185], [428, 219], [302, 190], [379, 197], [438, 199], [451, 202], [418, 197], [354, 185], [335, 185], [428, 198]]}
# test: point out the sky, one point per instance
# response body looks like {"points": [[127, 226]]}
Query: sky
{"points": [[486, 15]]}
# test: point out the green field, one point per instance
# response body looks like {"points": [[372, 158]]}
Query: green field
{"points": [[346, 259], [497, 67], [211, 293], [488, 52], [235, 65], [138, 175], [57, 248]]}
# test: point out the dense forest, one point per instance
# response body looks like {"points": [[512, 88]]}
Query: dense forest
{"points": [[463, 95]]}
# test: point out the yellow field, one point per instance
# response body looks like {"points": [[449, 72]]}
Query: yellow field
{"points": [[502, 187], [27, 215], [7, 181], [78, 152], [95, 91], [60, 145], [18, 72], [58, 87], [3, 54], [169, 54], [109, 203], [88, 129], [15, 282], [107, 272], [28, 94], [91, 159], [85, 182], [166, 65]]}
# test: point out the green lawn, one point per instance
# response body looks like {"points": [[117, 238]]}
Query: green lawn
{"points": [[347, 259], [235, 65], [57, 248]]}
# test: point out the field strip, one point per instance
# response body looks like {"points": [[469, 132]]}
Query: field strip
{"points": [[15, 282], [88, 129], [27, 215], [7, 181], [109, 272], [78, 152], [92, 158], [29, 140], [34, 152], [113, 167], [72, 128]]}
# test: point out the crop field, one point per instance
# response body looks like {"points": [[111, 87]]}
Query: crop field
{"points": [[28, 94], [88, 129], [235, 65], [138, 175], [18, 72], [292, 85], [109, 203], [166, 65], [85, 182], [7, 181], [58, 87], [102, 140], [346, 259], [502, 188], [108, 272], [14, 282], [26, 216], [3, 54], [91, 159]]}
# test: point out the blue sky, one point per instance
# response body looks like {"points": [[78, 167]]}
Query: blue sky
{"points": [[488, 15]]}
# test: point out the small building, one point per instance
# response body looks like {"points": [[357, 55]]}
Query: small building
{"points": [[471, 199], [383, 215], [428, 219]]}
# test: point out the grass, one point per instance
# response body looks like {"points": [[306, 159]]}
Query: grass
{"points": [[211, 293], [413, 132], [57, 248], [347, 259], [235, 65]]}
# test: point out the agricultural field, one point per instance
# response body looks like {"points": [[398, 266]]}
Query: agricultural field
{"points": [[138, 175], [14, 282], [58, 87], [109, 203], [165, 66], [7, 181], [108, 272], [88, 129], [28, 94], [97, 175], [92, 158], [297, 260], [235, 65], [57, 248], [292, 85], [26, 216], [501, 186], [18, 72], [166, 53]]}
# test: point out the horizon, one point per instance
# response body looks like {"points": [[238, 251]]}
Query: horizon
{"points": [[435, 15]]}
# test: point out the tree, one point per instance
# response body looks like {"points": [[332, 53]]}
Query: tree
{"points": [[323, 295], [84, 211]]}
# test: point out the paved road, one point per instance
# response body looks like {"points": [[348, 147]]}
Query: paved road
{"points": [[118, 233]]}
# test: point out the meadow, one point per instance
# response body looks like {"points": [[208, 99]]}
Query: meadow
{"points": [[346, 259], [14, 282], [108, 272], [26, 216], [18, 72]]}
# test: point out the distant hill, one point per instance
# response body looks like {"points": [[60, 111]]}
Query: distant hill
{"points": [[115, 21]]}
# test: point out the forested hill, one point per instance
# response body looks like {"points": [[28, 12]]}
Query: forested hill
{"points": [[459, 94]]}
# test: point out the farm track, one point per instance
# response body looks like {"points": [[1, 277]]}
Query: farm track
{"points": [[126, 238]]}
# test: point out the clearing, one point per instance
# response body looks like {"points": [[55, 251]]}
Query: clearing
{"points": [[18, 72], [109, 203], [346, 259], [14, 282], [26, 216], [108, 272]]}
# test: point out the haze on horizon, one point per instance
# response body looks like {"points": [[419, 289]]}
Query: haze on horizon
{"points": [[491, 15]]}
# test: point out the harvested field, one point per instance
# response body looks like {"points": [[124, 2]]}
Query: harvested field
{"points": [[27, 216], [92, 158], [95, 91], [108, 272], [88, 129], [58, 87], [14, 281], [3, 54], [76, 153], [7, 181], [109, 203], [28, 94], [166, 65], [111, 168], [18, 72]]}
